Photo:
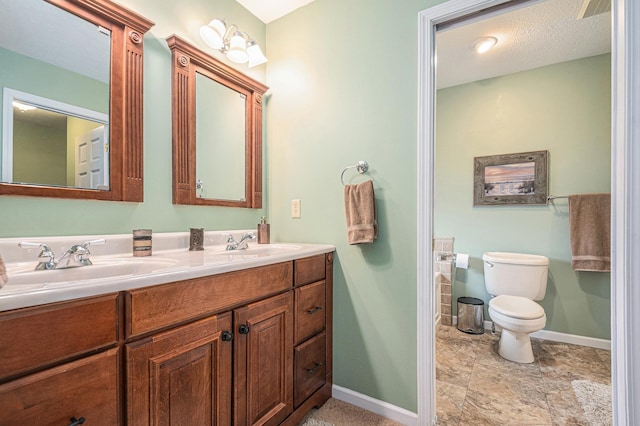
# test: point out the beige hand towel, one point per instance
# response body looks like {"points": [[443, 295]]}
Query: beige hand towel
{"points": [[590, 232], [360, 209], [3, 273]]}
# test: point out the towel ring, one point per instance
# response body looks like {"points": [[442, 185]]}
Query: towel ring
{"points": [[361, 167]]}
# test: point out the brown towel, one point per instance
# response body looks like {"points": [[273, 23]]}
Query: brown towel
{"points": [[360, 209], [590, 232], [3, 273]]}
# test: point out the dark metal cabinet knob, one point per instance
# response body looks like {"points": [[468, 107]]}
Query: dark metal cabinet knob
{"points": [[227, 336], [243, 329], [76, 422]]}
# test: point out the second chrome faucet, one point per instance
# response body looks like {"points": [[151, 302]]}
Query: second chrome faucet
{"points": [[232, 244]]}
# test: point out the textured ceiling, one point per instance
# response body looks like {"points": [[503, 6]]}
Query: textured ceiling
{"points": [[544, 33]]}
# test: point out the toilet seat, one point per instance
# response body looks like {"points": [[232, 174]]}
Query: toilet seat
{"points": [[516, 307]]}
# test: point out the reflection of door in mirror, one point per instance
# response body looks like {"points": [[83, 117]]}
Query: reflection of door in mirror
{"points": [[42, 143], [41, 44], [91, 160], [220, 140]]}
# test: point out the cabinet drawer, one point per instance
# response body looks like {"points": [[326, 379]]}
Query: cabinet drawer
{"points": [[157, 307], [310, 368], [310, 310], [88, 387], [37, 337], [310, 269]]}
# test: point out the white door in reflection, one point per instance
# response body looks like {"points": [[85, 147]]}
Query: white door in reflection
{"points": [[92, 165]]}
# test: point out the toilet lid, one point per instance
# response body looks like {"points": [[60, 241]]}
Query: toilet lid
{"points": [[516, 307]]}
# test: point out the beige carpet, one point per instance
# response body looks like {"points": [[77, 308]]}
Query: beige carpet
{"points": [[338, 413], [595, 399]]}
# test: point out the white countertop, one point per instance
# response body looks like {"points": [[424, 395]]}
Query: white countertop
{"points": [[171, 261]]}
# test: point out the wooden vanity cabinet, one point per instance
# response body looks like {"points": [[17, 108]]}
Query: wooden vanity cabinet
{"points": [[250, 347]]}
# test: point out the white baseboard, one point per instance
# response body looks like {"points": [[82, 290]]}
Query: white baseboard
{"points": [[381, 408], [573, 339], [555, 336]]}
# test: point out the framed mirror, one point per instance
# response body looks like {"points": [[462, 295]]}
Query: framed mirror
{"points": [[71, 88], [217, 131]]}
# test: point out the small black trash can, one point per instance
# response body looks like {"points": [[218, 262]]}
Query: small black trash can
{"points": [[471, 315]]}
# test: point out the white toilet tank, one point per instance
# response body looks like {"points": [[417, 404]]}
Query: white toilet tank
{"points": [[516, 274]]}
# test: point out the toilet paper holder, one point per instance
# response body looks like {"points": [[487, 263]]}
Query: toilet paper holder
{"points": [[443, 256]]}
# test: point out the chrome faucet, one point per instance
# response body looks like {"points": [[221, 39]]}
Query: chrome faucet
{"points": [[46, 259], [232, 244], [75, 257]]}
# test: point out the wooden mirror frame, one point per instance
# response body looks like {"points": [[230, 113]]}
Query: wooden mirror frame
{"points": [[186, 61], [125, 104]]}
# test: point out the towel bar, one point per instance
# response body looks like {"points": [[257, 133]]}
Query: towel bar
{"points": [[361, 167]]}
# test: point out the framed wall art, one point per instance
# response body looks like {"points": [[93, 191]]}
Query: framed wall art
{"points": [[511, 179]]}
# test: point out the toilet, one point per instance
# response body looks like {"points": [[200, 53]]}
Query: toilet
{"points": [[516, 280]]}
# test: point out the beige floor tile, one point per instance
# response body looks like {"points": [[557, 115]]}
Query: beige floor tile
{"points": [[449, 402], [565, 409], [499, 392]]}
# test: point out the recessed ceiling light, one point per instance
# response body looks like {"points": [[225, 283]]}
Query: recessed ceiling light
{"points": [[484, 44]]}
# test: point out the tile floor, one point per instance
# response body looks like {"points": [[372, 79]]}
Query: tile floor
{"points": [[475, 386]]}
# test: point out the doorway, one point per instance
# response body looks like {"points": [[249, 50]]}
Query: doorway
{"points": [[624, 205]]}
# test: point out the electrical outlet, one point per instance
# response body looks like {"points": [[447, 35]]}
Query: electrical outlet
{"points": [[295, 209]]}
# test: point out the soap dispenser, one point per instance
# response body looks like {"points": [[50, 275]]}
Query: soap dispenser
{"points": [[263, 231]]}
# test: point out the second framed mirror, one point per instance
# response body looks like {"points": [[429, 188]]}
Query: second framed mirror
{"points": [[217, 131]]}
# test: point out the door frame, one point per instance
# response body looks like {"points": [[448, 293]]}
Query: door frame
{"points": [[625, 204]]}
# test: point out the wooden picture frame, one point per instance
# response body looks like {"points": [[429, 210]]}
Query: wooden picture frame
{"points": [[511, 179]]}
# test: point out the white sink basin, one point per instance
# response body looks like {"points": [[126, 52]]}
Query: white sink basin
{"points": [[255, 250], [23, 273]]}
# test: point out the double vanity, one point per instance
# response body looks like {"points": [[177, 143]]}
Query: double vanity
{"points": [[215, 336], [206, 337]]}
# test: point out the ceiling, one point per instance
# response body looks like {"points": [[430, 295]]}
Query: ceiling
{"points": [[543, 33], [270, 10]]}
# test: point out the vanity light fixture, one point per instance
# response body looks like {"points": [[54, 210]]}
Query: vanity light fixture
{"points": [[484, 44], [237, 45]]}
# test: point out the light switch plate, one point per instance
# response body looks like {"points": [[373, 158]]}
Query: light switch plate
{"points": [[295, 209]]}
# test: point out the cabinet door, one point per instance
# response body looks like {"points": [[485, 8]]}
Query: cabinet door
{"points": [[263, 383], [182, 376], [88, 388]]}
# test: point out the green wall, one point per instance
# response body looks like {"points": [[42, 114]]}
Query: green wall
{"points": [[343, 78], [563, 108], [35, 77], [39, 152]]}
